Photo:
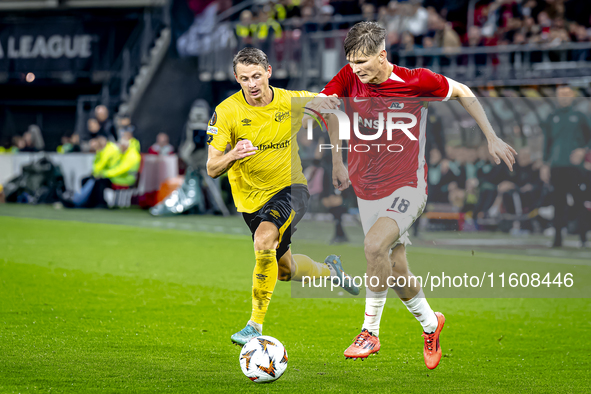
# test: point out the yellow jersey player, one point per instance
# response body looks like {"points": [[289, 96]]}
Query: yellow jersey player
{"points": [[250, 136]]}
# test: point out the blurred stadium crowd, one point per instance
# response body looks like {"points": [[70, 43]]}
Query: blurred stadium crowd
{"points": [[415, 24]]}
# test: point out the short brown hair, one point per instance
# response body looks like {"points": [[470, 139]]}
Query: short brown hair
{"points": [[365, 38], [250, 55]]}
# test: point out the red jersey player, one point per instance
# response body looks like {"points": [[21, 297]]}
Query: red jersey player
{"points": [[389, 174]]}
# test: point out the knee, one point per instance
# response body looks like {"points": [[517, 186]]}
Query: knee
{"points": [[375, 249], [265, 240]]}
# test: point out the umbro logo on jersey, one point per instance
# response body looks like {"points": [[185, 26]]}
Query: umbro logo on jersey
{"points": [[275, 214], [396, 106], [359, 100], [246, 122]]}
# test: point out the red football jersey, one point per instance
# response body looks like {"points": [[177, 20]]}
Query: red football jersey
{"points": [[379, 166]]}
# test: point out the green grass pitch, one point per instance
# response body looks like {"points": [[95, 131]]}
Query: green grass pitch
{"points": [[109, 308]]}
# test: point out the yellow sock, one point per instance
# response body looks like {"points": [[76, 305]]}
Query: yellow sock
{"points": [[264, 279], [305, 266]]}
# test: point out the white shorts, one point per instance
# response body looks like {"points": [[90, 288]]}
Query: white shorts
{"points": [[404, 206]]}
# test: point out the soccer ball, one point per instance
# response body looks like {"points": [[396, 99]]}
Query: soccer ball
{"points": [[263, 359]]}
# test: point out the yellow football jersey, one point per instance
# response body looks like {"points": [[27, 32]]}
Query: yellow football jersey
{"points": [[276, 164]]}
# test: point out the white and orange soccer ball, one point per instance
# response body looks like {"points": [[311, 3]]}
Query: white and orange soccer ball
{"points": [[263, 359]]}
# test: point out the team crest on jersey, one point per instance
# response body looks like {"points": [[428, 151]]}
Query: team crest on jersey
{"points": [[281, 116], [396, 106], [214, 119], [246, 122]]}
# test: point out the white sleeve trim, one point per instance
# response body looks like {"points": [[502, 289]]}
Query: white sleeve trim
{"points": [[451, 88], [321, 94]]}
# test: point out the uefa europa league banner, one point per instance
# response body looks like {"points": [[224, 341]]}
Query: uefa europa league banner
{"points": [[61, 45]]}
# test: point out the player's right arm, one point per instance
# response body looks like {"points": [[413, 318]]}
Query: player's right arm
{"points": [[219, 137], [219, 162]]}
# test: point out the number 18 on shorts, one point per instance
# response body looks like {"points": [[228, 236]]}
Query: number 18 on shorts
{"points": [[404, 206]]}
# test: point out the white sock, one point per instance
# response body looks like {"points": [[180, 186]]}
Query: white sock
{"points": [[256, 326], [420, 308], [374, 305]]}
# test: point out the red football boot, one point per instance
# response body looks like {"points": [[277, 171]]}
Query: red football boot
{"points": [[432, 349], [364, 345]]}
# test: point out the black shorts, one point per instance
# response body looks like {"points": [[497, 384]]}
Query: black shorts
{"points": [[285, 209]]}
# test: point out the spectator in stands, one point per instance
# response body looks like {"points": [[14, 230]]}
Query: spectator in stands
{"points": [[29, 143], [453, 176], [475, 39], [558, 33], [393, 20], [471, 190], [94, 129], [435, 134], [545, 24], [446, 37], [65, 144], [438, 167], [161, 146], [567, 138], [428, 43], [91, 194], [489, 179], [70, 144], [107, 155], [107, 127], [18, 143], [245, 29], [293, 8], [36, 138], [519, 38], [75, 143], [526, 191], [580, 35], [408, 41], [508, 15], [368, 12], [279, 11], [512, 27], [418, 17], [125, 127], [124, 174]]}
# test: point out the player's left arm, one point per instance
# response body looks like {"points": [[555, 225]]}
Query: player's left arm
{"points": [[497, 148]]}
